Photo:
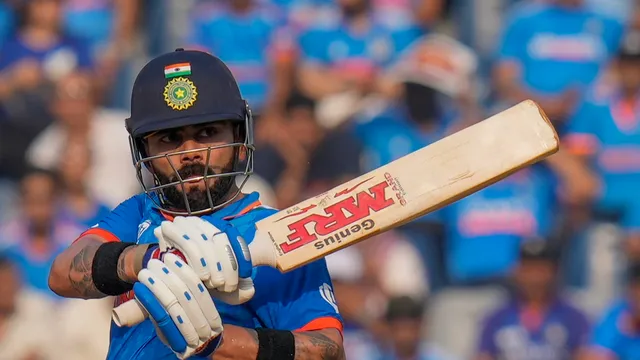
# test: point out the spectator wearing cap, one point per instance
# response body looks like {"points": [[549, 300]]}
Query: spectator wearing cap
{"points": [[617, 333], [407, 339], [551, 51], [536, 322]]}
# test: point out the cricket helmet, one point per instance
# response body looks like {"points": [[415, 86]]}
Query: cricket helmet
{"points": [[184, 88]]}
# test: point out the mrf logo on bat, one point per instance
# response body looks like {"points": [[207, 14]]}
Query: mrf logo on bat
{"points": [[344, 218]]}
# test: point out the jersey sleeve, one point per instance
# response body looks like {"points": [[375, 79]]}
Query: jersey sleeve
{"points": [[300, 300], [121, 224]]}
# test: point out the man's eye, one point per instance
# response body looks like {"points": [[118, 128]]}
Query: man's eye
{"points": [[169, 138], [208, 132]]}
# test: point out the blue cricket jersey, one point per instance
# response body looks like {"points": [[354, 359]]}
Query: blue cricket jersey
{"points": [[607, 130], [298, 300], [558, 48], [248, 43], [513, 333], [616, 334]]}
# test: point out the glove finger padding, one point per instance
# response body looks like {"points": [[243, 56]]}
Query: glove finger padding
{"points": [[165, 310], [186, 299], [198, 290], [239, 246], [227, 265]]}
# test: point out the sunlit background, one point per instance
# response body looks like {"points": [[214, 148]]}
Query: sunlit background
{"points": [[338, 88]]}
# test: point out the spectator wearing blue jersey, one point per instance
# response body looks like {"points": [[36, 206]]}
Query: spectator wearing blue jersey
{"points": [[605, 135], [347, 53], [108, 27], [617, 333], [536, 322], [39, 50], [36, 235], [247, 36], [7, 21], [551, 51]]}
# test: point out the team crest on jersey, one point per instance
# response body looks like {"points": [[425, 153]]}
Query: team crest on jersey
{"points": [[327, 294], [180, 93]]}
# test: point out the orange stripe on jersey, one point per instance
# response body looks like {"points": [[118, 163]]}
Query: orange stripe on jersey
{"points": [[322, 323], [102, 233], [249, 207]]}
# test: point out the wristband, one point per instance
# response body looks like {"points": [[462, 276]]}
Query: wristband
{"points": [[275, 344], [104, 269]]}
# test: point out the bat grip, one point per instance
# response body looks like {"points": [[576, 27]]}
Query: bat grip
{"points": [[129, 314]]}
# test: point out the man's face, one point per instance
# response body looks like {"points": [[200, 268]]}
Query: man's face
{"points": [[74, 165], [406, 335], [45, 13], [188, 166], [535, 278], [38, 198], [629, 74], [73, 102]]}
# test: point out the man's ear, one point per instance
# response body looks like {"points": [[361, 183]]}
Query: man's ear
{"points": [[242, 154]]}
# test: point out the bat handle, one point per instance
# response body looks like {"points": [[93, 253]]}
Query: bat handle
{"points": [[129, 313]]}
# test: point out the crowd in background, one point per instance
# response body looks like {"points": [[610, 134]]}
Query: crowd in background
{"points": [[542, 265]]}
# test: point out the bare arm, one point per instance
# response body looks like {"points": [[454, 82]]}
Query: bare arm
{"points": [[242, 344], [71, 271], [317, 82]]}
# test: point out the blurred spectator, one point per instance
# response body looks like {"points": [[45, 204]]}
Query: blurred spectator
{"points": [[485, 229], [111, 177], [27, 323], [76, 204], [108, 27], [247, 37], [36, 235], [550, 52], [342, 58], [603, 134], [406, 340], [40, 51], [365, 277], [616, 336], [301, 159], [536, 322]]}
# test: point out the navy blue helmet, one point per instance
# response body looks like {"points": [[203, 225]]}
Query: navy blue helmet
{"points": [[185, 88]]}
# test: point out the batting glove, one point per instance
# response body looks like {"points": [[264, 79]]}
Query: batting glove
{"points": [[216, 252], [180, 307]]}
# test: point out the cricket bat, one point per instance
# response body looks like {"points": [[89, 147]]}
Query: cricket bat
{"points": [[394, 194]]}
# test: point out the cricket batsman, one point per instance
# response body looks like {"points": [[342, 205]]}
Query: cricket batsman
{"points": [[180, 248]]}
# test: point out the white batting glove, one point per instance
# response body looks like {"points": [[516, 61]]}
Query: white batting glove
{"points": [[180, 307], [218, 255]]}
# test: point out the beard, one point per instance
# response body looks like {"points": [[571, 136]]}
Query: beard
{"points": [[198, 199]]}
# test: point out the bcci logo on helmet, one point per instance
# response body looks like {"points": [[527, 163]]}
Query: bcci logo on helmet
{"points": [[180, 93]]}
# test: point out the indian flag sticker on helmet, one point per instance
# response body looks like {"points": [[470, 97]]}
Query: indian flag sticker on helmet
{"points": [[174, 70]]}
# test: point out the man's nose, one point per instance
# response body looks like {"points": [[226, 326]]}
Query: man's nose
{"points": [[189, 154]]}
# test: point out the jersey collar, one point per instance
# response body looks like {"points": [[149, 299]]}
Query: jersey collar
{"points": [[237, 208]]}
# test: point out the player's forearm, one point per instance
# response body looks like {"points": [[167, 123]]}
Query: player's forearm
{"points": [[71, 273], [242, 344]]}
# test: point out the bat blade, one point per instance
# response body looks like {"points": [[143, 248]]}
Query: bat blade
{"points": [[405, 189]]}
